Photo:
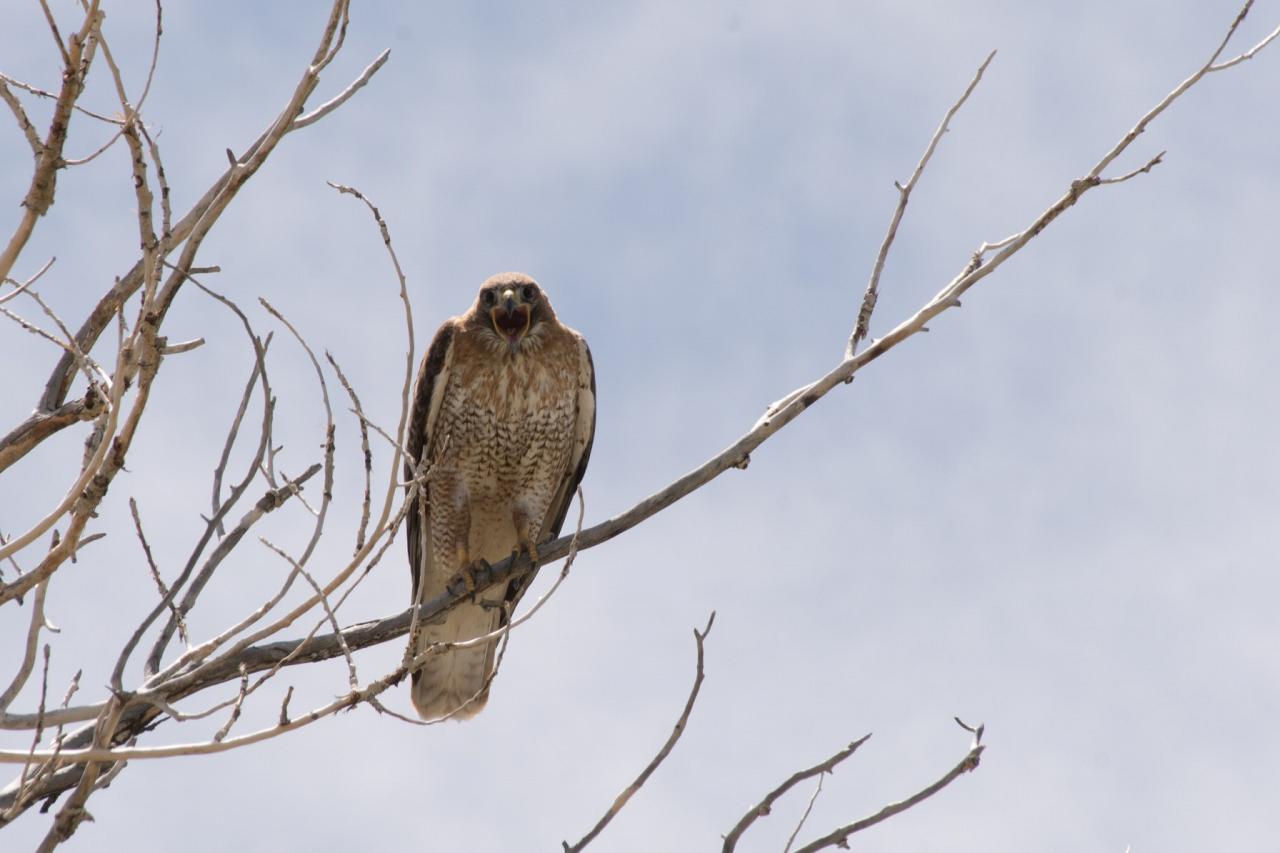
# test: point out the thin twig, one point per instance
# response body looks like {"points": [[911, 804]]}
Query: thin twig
{"points": [[24, 123], [91, 368], [57, 36], [863, 323], [43, 93], [364, 450], [77, 56], [1141, 170], [1186, 84], [233, 432], [813, 798], [129, 111], [269, 502], [155, 576], [353, 679], [166, 211], [381, 527], [839, 837], [765, 806], [337, 101], [284, 706], [631, 789], [36, 623], [256, 658], [32, 280], [184, 346], [73, 812], [23, 779], [222, 733]]}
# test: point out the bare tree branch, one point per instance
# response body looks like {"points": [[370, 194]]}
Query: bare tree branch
{"points": [[340, 99], [76, 59], [24, 123], [808, 809], [155, 576], [904, 195], [765, 806], [30, 281], [968, 764], [93, 754], [195, 224], [366, 454], [34, 627], [21, 785], [630, 790], [41, 425]]}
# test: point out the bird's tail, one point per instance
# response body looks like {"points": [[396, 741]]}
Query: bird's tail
{"points": [[455, 683]]}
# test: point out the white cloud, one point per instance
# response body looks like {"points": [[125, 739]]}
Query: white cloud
{"points": [[1053, 513]]}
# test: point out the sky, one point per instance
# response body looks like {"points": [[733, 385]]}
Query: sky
{"points": [[1054, 514]]}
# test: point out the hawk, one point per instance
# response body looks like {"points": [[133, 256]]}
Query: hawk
{"points": [[504, 413]]}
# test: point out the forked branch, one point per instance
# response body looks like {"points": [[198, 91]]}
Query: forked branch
{"points": [[840, 836], [765, 806]]}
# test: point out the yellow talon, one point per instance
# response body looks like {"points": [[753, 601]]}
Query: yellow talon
{"points": [[464, 577]]}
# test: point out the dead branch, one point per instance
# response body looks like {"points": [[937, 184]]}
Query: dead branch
{"points": [[808, 809], [904, 195], [77, 57], [34, 627], [21, 784], [260, 353], [155, 576], [95, 752], [191, 229], [26, 284], [365, 453], [342, 97], [41, 425], [145, 344], [838, 837], [24, 123], [765, 806], [630, 790]]}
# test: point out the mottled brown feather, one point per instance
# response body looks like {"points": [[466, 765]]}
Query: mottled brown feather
{"points": [[557, 514], [500, 418]]}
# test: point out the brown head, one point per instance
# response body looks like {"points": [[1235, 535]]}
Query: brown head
{"points": [[511, 311]]}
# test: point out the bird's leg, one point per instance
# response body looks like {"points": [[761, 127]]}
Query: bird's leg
{"points": [[462, 559], [467, 577], [460, 532], [525, 540]]}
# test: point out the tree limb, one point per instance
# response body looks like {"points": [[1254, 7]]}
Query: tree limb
{"points": [[765, 806], [838, 837], [621, 801]]}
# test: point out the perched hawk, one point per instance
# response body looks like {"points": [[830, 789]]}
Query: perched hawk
{"points": [[504, 413]]}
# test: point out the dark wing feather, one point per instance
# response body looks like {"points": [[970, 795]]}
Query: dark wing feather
{"points": [[568, 490], [419, 439], [558, 513]]}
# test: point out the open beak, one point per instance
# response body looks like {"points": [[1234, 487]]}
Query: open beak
{"points": [[510, 321]]}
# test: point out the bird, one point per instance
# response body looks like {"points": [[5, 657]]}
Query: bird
{"points": [[504, 413]]}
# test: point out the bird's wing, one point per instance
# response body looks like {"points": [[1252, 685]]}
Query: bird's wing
{"points": [[584, 433], [433, 378]]}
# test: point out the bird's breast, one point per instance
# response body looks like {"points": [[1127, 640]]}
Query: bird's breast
{"points": [[509, 422]]}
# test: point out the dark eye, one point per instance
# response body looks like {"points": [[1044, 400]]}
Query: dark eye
{"points": [[529, 293], [487, 298]]}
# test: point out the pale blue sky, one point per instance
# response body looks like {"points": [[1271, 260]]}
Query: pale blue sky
{"points": [[1055, 513]]}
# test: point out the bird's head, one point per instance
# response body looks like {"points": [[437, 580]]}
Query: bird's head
{"points": [[514, 308]]}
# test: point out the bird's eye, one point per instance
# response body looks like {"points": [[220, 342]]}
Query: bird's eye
{"points": [[529, 293], [487, 298]]}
